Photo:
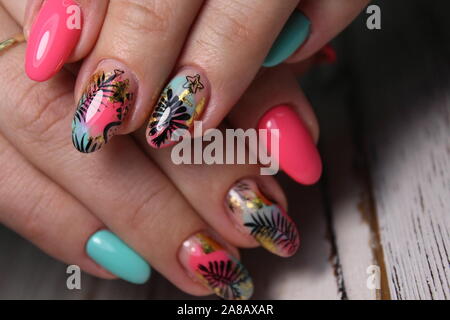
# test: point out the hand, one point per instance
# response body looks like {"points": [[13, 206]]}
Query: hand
{"points": [[210, 51], [115, 212]]}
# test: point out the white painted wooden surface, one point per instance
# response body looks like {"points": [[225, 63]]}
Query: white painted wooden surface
{"points": [[407, 124], [385, 196], [345, 191]]}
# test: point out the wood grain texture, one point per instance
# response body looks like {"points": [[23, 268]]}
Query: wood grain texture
{"points": [[402, 77], [344, 187]]}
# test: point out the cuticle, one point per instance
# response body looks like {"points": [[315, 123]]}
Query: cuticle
{"points": [[119, 62]]}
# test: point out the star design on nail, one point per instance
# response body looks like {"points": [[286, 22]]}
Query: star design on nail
{"points": [[193, 83]]}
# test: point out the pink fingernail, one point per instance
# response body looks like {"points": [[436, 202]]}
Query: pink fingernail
{"points": [[327, 55], [53, 36], [298, 155]]}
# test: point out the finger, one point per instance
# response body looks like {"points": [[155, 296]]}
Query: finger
{"points": [[243, 207], [50, 218], [327, 19], [223, 53], [280, 104], [54, 41], [121, 187], [32, 221], [238, 202], [131, 27], [58, 31], [325, 56]]}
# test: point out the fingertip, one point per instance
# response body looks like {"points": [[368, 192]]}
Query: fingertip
{"points": [[53, 36], [96, 270], [256, 212], [289, 139], [94, 13]]}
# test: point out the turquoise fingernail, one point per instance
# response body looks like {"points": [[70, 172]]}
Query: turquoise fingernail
{"points": [[105, 248], [294, 33]]}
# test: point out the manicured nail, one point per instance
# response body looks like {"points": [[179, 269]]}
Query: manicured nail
{"points": [[266, 221], [327, 55], [298, 155], [53, 36], [294, 34], [180, 104], [103, 107], [110, 252], [207, 261]]}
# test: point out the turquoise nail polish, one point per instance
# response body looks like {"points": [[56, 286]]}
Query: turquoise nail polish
{"points": [[294, 33], [105, 248]]}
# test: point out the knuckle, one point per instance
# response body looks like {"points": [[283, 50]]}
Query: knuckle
{"points": [[8, 173], [32, 107], [32, 229], [143, 17], [148, 209], [232, 23], [31, 222], [39, 110]]}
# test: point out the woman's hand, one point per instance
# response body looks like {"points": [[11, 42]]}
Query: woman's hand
{"points": [[208, 51], [128, 206]]}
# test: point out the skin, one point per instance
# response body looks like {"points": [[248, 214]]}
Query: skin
{"points": [[71, 195], [68, 202], [200, 38]]}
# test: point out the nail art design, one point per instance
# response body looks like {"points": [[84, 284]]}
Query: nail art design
{"points": [[53, 36], [101, 110], [217, 269], [263, 219], [181, 103]]}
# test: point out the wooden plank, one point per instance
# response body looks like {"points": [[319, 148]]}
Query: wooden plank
{"points": [[344, 183], [402, 76]]}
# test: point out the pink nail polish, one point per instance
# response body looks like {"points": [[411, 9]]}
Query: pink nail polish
{"points": [[327, 55], [53, 36], [298, 155]]}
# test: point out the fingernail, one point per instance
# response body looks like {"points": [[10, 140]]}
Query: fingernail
{"points": [[53, 36], [292, 36], [298, 155], [103, 107], [110, 252], [180, 104], [207, 261], [263, 219], [326, 55]]}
